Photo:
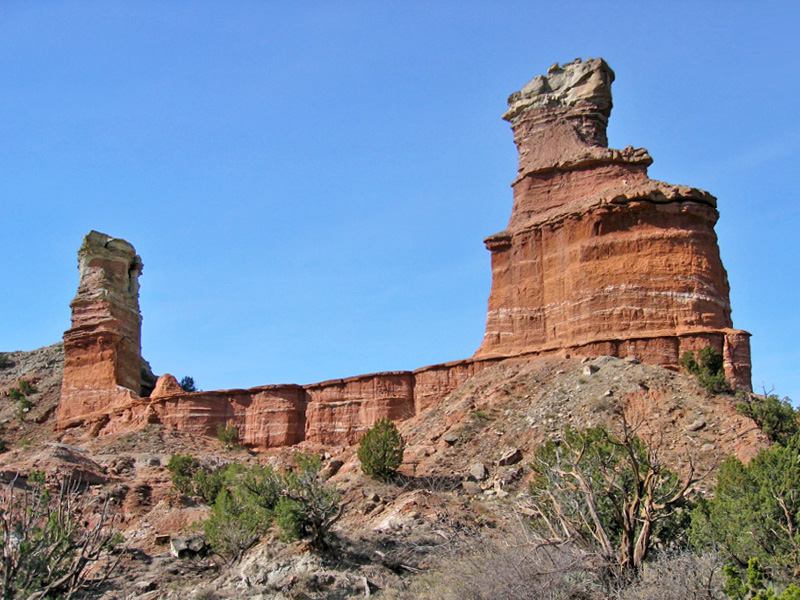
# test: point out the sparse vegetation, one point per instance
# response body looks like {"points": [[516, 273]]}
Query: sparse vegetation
{"points": [[228, 435], [381, 450], [755, 511], [774, 416], [187, 384], [5, 361], [707, 368], [611, 495], [20, 394], [53, 544]]}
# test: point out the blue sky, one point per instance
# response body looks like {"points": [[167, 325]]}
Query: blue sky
{"points": [[308, 183]]}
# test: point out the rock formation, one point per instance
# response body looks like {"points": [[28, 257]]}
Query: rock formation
{"points": [[597, 258], [102, 349]]}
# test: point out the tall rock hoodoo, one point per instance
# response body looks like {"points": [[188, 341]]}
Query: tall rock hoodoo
{"points": [[598, 258], [102, 349]]}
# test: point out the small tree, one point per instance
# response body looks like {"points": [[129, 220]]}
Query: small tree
{"points": [[381, 450], [755, 511], [308, 506], [233, 526], [610, 494], [187, 384], [228, 435]]}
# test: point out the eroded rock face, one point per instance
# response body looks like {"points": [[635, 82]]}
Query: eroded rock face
{"points": [[597, 257], [102, 349], [597, 260]]}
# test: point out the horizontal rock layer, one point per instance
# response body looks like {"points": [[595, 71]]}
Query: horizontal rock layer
{"points": [[335, 412]]}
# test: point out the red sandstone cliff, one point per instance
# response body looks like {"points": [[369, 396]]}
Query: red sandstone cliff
{"points": [[597, 258]]}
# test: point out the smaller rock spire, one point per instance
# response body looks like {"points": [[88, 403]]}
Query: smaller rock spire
{"points": [[103, 347]]}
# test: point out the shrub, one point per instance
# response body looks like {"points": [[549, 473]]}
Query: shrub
{"points": [[5, 361], [228, 435], [26, 387], [246, 500], [290, 519], [381, 450], [755, 510], [187, 384], [24, 405], [183, 468], [755, 586], [50, 548], [708, 369], [309, 507], [208, 484], [775, 417], [232, 527], [263, 485]]}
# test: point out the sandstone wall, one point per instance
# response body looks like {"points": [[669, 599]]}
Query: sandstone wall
{"points": [[333, 412]]}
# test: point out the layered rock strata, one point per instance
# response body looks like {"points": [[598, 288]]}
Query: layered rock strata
{"points": [[103, 383], [335, 412], [597, 257], [102, 349]]}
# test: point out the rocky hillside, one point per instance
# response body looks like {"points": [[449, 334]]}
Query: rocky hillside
{"points": [[465, 474], [41, 368]]}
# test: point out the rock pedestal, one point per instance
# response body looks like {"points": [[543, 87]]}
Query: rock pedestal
{"points": [[597, 257], [102, 349]]}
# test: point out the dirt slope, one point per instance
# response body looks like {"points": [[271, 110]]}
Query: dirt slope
{"points": [[388, 532]]}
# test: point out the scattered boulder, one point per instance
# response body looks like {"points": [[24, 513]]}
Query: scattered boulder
{"points": [[187, 546], [332, 468], [479, 472], [471, 488], [696, 425], [510, 457]]}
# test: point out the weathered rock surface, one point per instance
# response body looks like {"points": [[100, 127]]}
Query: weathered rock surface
{"points": [[166, 385], [102, 349], [597, 258]]}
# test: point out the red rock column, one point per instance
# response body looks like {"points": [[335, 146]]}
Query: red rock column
{"points": [[596, 252], [102, 349]]}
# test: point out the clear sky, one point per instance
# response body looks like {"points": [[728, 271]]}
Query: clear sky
{"points": [[309, 183]]}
